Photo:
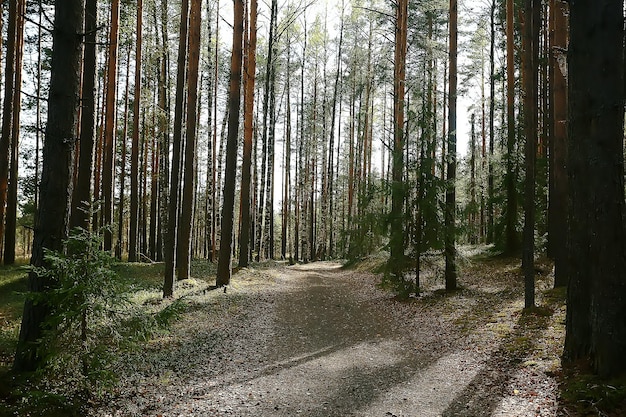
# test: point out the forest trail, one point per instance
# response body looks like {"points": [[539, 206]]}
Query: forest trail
{"points": [[316, 340]]}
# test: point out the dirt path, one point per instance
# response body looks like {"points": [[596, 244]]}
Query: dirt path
{"points": [[320, 341]]}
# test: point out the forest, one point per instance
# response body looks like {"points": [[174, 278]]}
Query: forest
{"points": [[436, 156]]}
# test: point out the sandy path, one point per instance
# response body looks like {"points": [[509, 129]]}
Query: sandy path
{"points": [[320, 341]]}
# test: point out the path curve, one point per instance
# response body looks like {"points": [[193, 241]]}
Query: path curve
{"points": [[320, 341]]}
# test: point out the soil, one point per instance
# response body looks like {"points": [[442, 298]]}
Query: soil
{"points": [[318, 340]]}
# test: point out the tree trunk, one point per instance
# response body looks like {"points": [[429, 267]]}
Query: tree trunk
{"points": [[108, 150], [596, 301], [120, 215], [172, 220], [193, 60], [492, 111], [12, 201], [234, 103], [396, 241], [557, 223], [532, 22], [511, 243], [7, 113], [450, 212], [56, 182], [164, 107], [81, 200], [134, 153], [250, 74]]}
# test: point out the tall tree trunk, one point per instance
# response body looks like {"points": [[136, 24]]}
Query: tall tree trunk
{"points": [[492, 111], [250, 75], [12, 201], [532, 22], [81, 200], [267, 153], [511, 243], [120, 215], [56, 182], [164, 107], [193, 60], [7, 113], [108, 150], [450, 212], [234, 103], [557, 223], [331, 155], [134, 152], [287, 163], [596, 305], [172, 217], [214, 188], [396, 243], [208, 218]]}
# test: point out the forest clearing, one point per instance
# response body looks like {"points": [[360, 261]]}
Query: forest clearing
{"points": [[320, 339]]}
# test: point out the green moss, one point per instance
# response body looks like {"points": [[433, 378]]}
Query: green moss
{"points": [[585, 394]]}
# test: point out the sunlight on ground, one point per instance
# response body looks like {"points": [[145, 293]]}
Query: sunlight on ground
{"points": [[431, 390]]}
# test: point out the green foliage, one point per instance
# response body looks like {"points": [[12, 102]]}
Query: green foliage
{"points": [[398, 284], [92, 317], [85, 304]]}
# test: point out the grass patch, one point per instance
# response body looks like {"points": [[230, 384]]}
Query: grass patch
{"points": [[584, 394], [143, 318]]}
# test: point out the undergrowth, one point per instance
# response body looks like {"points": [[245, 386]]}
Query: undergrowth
{"points": [[94, 318]]}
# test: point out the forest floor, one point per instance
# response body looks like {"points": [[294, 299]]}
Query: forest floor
{"points": [[324, 340], [320, 340]]}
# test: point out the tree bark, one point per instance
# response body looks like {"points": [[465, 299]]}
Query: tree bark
{"points": [[250, 74], [532, 21], [12, 201], [596, 301], [108, 149], [450, 211], [557, 223], [511, 243], [234, 103], [396, 241], [492, 111], [56, 182], [193, 60], [7, 117], [172, 218], [81, 200], [133, 240]]}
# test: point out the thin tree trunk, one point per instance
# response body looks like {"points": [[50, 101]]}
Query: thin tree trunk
{"points": [[492, 106], [250, 75], [81, 200], [193, 60], [120, 218], [134, 153], [511, 243], [224, 270], [532, 18], [450, 212], [557, 223], [396, 244], [172, 220], [12, 201], [108, 150], [7, 110]]}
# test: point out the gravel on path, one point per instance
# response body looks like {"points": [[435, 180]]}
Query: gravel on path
{"points": [[318, 340]]}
